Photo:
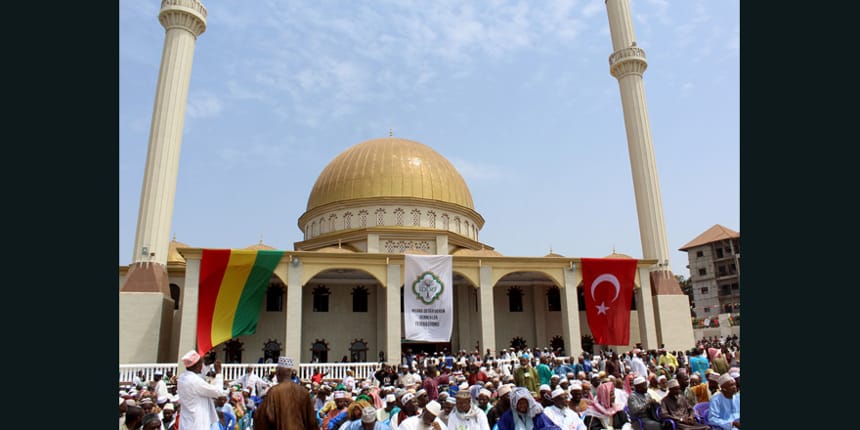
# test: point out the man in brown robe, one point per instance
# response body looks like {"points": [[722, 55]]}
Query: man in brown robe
{"points": [[286, 406], [676, 407]]}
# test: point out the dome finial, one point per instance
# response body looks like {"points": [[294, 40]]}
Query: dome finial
{"points": [[550, 248], [613, 248], [390, 132], [261, 238], [174, 236]]}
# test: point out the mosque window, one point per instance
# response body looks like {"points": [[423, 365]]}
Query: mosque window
{"points": [[319, 351], [704, 290], [416, 217], [321, 295], [332, 219], [175, 294], [233, 351], [553, 298], [358, 351], [431, 219], [275, 298], [700, 254], [347, 220], [314, 230], [445, 222], [515, 299], [518, 343], [398, 216], [362, 218], [359, 299], [557, 343], [380, 216], [271, 350], [323, 228], [468, 229], [457, 224], [307, 232]]}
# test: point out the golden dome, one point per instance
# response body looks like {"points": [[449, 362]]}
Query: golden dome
{"points": [[390, 167], [173, 256], [335, 250], [483, 252], [615, 255], [259, 247]]}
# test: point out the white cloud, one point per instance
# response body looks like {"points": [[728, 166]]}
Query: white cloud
{"points": [[592, 8], [476, 171], [204, 105]]}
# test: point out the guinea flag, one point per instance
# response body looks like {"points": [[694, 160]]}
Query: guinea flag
{"points": [[232, 286], [608, 284]]}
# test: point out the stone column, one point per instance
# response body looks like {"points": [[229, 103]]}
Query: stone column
{"points": [[539, 306], [463, 317], [570, 328], [392, 315], [183, 21], [188, 308], [488, 317], [645, 310], [293, 344]]}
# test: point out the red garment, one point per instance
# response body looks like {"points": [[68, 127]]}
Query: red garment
{"points": [[608, 284], [317, 378], [477, 376]]}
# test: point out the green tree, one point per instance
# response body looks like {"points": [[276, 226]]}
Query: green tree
{"points": [[687, 287]]}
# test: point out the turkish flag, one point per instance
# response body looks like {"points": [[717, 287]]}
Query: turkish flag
{"points": [[608, 288]]}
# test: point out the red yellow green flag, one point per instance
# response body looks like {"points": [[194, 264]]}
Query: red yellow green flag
{"points": [[232, 286]]}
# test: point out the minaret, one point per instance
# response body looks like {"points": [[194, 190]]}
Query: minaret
{"points": [[183, 21], [627, 64]]}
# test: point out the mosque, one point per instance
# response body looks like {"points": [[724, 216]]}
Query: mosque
{"points": [[339, 293]]}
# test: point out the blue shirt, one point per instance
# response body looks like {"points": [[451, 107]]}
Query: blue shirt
{"points": [[699, 364], [722, 411]]}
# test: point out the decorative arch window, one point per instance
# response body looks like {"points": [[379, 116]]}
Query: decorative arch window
{"points": [[319, 351], [271, 351], [445, 221], [557, 343], [518, 343], [515, 299], [553, 299], [398, 216], [358, 351], [380, 216], [457, 224], [332, 219], [467, 229], [233, 351], [416, 217], [175, 294], [431, 219], [362, 218], [307, 232], [314, 230], [347, 220], [359, 299], [322, 225], [587, 344], [321, 295], [274, 298]]}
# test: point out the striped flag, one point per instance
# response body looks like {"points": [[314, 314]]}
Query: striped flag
{"points": [[232, 286]]}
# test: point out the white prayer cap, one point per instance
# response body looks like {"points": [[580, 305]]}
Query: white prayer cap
{"points": [[434, 408], [673, 383], [420, 392], [485, 392], [544, 387], [390, 398], [368, 414], [639, 380], [339, 395], [190, 358], [724, 378], [504, 389], [576, 385], [735, 374], [557, 392], [464, 386], [563, 380], [555, 377], [168, 407], [661, 377], [406, 397]]}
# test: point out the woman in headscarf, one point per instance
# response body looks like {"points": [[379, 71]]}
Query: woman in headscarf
{"points": [[525, 413], [718, 362], [605, 412]]}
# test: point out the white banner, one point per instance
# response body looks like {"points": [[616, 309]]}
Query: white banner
{"points": [[428, 297]]}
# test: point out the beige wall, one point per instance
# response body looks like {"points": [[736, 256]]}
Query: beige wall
{"points": [[145, 326], [513, 324], [340, 325]]}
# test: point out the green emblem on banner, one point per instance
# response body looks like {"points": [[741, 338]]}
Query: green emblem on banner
{"points": [[427, 287]]}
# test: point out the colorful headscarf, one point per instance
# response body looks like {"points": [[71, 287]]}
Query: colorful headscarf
{"points": [[628, 382], [713, 352], [523, 393], [603, 404]]}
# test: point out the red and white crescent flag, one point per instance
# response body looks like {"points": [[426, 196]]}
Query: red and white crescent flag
{"points": [[608, 288]]}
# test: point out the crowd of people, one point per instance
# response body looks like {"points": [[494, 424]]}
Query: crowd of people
{"points": [[515, 389]]}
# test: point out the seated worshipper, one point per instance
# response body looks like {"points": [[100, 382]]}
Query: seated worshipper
{"points": [[544, 396], [408, 408], [383, 415], [561, 414], [467, 416], [352, 415], [577, 403], [718, 361], [447, 407], [676, 407], [713, 382], [525, 413], [150, 422], [657, 393], [725, 408], [604, 411], [503, 403], [698, 389], [341, 402], [286, 406], [641, 405], [526, 375], [484, 400], [428, 420]]}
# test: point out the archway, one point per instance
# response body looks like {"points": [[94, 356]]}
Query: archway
{"points": [[527, 306]]}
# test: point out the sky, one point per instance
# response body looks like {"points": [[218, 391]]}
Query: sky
{"points": [[516, 94]]}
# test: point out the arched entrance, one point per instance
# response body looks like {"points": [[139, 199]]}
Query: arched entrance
{"points": [[271, 351], [319, 351], [527, 309]]}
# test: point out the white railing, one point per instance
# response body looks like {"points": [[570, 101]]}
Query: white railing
{"points": [[232, 371]]}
